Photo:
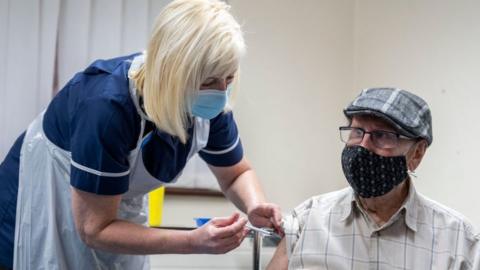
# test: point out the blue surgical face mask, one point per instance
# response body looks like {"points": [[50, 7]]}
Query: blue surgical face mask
{"points": [[209, 103]]}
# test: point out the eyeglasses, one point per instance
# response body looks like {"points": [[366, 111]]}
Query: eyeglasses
{"points": [[380, 138]]}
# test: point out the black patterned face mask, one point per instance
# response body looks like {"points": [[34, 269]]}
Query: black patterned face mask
{"points": [[371, 175]]}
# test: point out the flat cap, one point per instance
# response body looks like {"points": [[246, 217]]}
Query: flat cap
{"points": [[407, 112]]}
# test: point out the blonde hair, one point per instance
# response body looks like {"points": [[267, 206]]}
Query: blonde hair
{"points": [[192, 40]]}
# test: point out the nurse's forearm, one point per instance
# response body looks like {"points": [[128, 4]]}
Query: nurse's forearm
{"points": [[98, 226], [245, 191], [240, 184], [130, 238]]}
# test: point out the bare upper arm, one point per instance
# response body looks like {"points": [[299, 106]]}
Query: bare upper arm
{"points": [[280, 258], [93, 212]]}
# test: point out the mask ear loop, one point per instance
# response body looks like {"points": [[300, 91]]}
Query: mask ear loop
{"points": [[410, 172]]}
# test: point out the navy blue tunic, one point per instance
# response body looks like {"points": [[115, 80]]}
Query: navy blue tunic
{"points": [[95, 119]]}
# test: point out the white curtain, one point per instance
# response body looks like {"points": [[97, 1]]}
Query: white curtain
{"points": [[45, 42], [89, 30], [28, 32]]}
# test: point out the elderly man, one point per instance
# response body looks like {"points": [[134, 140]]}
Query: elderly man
{"points": [[380, 221]]}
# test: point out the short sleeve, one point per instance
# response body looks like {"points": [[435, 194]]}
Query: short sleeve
{"points": [[293, 225], [102, 136], [224, 147]]}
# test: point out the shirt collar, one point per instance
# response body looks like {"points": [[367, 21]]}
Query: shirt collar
{"points": [[347, 210], [409, 207]]}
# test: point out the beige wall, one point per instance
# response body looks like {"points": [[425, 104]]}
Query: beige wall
{"points": [[307, 59], [297, 73], [296, 77]]}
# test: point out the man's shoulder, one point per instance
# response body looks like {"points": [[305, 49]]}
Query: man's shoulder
{"points": [[445, 217], [326, 201]]}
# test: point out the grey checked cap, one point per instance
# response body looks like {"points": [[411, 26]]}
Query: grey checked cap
{"points": [[407, 112]]}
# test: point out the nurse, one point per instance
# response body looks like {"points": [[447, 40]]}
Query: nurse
{"points": [[72, 185]]}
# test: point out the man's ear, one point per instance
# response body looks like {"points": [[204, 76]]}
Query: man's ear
{"points": [[419, 149]]}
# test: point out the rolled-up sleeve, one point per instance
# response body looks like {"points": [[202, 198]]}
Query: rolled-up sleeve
{"points": [[293, 225]]}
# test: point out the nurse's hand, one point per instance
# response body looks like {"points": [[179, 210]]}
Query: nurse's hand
{"points": [[219, 235], [266, 215]]}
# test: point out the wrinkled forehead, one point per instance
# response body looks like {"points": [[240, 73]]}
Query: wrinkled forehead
{"points": [[371, 122]]}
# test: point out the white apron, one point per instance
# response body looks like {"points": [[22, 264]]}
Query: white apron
{"points": [[45, 234]]}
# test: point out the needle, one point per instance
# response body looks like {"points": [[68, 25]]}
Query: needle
{"points": [[260, 230]]}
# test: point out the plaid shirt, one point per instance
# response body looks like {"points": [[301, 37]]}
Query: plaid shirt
{"points": [[332, 231]]}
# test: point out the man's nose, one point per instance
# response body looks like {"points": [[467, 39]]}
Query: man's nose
{"points": [[366, 142]]}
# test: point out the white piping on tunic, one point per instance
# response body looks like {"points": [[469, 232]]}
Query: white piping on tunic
{"points": [[222, 151], [99, 173]]}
